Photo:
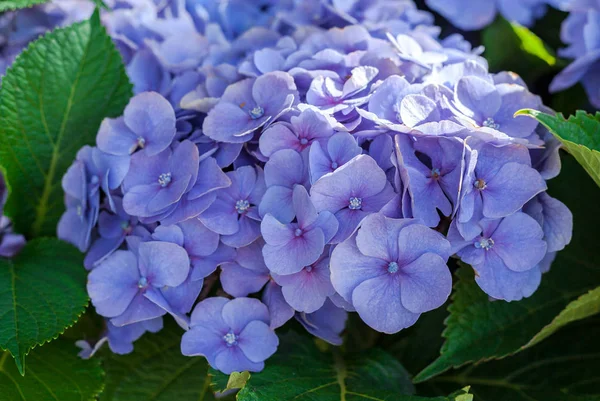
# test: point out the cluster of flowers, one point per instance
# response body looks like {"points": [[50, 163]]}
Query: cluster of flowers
{"points": [[473, 15], [331, 160], [581, 31]]}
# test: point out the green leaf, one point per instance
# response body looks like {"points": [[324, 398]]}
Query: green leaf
{"points": [[580, 134], [562, 368], [584, 306], [299, 371], [512, 47], [42, 292], [56, 373], [222, 383], [478, 329], [52, 101], [6, 5], [157, 371]]}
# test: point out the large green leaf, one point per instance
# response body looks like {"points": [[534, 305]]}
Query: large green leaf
{"points": [[584, 306], [52, 101], [157, 371], [478, 329], [42, 292], [510, 46], [6, 5], [300, 371], [579, 133], [56, 374], [562, 368]]}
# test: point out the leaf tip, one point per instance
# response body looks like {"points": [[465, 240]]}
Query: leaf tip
{"points": [[527, 112]]}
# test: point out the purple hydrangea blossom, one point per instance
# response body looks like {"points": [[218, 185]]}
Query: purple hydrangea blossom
{"points": [[285, 169], [327, 157], [498, 182], [482, 104], [279, 309], [299, 134], [392, 270], [433, 175], [505, 256], [249, 105], [247, 273], [308, 289], [155, 184], [290, 246], [93, 170], [233, 335], [148, 123], [474, 15], [234, 214], [120, 286], [581, 31], [327, 323], [352, 192]]}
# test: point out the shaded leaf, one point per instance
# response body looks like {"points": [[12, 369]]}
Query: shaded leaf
{"points": [[510, 46], [55, 373], [580, 134], [584, 306], [42, 292], [52, 101], [300, 371], [157, 371], [562, 368], [478, 329]]}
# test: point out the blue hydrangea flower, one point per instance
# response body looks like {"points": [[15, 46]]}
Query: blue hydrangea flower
{"points": [[120, 285], [498, 182], [580, 31], [308, 289], [505, 256], [432, 175], [156, 183], [148, 123], [474, 15], [300, 133], [279, 309], [234, 214], [327, 323], [233, 335], [248, 105], [352, 192], [290, 246], [339, 149], [247, 272], [285, 169], [392, 270]]}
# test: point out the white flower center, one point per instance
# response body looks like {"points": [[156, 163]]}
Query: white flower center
{"points": [[256, 112], [484, 243], [392, 267], [355, 203], [490, 123], [242, 206], [230, 339], [164, 179]]}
